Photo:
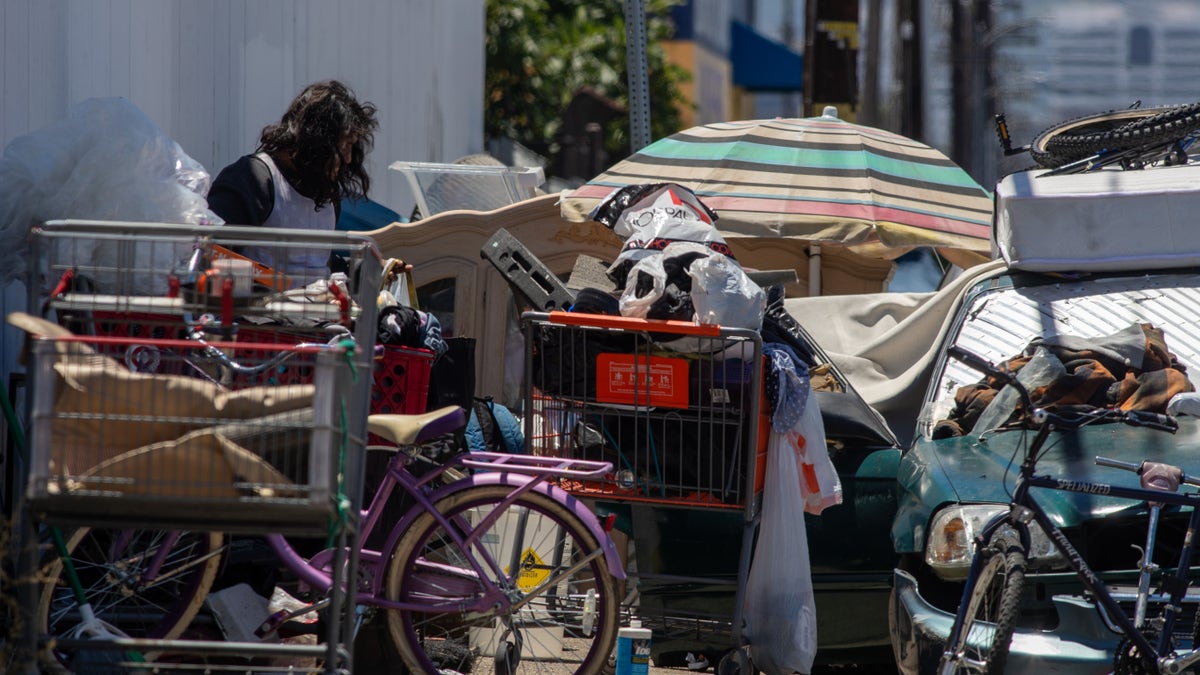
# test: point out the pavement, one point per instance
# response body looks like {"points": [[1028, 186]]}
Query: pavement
{"points": [[373, 654], [370, 658]]}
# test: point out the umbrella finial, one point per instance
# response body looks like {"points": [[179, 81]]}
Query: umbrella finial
{"points": [[830, 111]]}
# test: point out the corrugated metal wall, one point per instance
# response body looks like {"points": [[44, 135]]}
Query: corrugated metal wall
{"points": [[213, 73]]}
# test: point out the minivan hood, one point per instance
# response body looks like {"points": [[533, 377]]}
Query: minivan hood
{"points": [[975, 469]]}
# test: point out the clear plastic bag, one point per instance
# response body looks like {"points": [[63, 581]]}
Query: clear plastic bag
{"points": [[723, 294], [106, 161], [779, 608], [1041, 369]]}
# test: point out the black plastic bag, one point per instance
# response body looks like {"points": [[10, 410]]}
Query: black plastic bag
{"points": [[452, 376]]}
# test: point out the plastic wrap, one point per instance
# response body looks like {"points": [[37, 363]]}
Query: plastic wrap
{"points": [[106, 161], [780, 608], [1042, 368]]}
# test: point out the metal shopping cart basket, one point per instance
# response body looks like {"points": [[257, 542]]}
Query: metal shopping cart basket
{"points": [[677, 409], [175, 385], [154, 408]]}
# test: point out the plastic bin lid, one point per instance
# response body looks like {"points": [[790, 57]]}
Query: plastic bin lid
{"points": [[446, 187]]}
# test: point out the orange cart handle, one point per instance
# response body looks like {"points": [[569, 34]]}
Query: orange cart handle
{"points": [[632, 324]]}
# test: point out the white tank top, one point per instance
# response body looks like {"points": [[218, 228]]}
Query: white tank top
{"points": [[294, 210]]}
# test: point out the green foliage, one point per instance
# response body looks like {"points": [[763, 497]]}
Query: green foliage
{"points": [[541, 52]]}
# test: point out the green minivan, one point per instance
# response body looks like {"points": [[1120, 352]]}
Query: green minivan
{"points": [[1105, 263]]}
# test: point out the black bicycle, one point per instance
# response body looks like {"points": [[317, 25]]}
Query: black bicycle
{"points": [[991, 599], [1133, 138]]}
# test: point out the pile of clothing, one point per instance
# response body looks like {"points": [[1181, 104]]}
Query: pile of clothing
{"points": [[1129, 370]]}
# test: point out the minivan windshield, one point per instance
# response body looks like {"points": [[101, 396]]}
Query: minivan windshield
{"points": [[1001, 321]]}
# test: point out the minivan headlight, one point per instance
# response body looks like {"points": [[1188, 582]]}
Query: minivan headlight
{"points": [[949, 547]]}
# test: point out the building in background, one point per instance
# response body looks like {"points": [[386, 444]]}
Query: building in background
{"points": [[1041, 62], [744, 57], [213, 74]]}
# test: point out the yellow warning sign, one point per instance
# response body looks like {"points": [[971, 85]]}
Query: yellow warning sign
{"points": [[533, 571]]}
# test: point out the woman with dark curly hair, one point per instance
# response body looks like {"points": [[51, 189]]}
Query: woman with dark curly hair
{"points": [[304, 165]]}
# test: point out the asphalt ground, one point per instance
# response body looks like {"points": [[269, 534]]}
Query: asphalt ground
{"points": [[370, 659]]}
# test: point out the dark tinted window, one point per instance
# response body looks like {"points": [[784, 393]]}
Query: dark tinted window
{"points": [[437, 298]]}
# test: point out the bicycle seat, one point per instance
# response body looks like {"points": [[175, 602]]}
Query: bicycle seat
{"points": [[417, 429]]}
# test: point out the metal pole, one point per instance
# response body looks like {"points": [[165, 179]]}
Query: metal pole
{"points": [[639, 85]]}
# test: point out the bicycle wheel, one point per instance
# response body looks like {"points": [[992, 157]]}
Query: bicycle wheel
{"points": [[557, 625], [111, 565], [1114, 130], [992, 609]]}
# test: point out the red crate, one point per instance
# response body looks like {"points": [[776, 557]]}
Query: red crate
{"points": [[401, 380], [127, 325], [401, 373]]}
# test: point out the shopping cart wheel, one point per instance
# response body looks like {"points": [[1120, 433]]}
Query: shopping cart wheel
{"points": [[736, 662]]}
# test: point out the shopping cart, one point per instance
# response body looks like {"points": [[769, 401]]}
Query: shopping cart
{"points": [[677, 409], [169, 393]]}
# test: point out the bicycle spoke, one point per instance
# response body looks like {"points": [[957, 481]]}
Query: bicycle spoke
{"points": [[113, 568]]}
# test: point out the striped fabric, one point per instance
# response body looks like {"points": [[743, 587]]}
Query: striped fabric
{"points": [[820, 179]]}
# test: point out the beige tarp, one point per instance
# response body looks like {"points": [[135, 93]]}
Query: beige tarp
{"points": [[886, 343]]}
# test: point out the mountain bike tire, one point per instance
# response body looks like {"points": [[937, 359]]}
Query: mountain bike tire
{"points": [[1113, 130], [161, 611], [568, 627], [991, 617]]}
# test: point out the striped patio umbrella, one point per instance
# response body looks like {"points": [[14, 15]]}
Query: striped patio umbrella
{"points": [[820, 179]]}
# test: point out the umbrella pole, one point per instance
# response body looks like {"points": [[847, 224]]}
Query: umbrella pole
{"points": [[814, 270]]}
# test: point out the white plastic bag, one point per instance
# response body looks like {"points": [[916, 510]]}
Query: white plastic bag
{"points": [[637, 306], [721, 292], [779, 610], [819, 482], [649, 216]]}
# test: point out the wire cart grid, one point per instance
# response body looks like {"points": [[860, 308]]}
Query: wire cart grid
{"points": [[680, 425]]}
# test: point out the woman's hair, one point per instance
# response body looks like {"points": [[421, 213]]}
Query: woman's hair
{"points": [[310, 131]]}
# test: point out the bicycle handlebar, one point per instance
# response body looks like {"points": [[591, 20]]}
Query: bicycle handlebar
{"points": [[196, 334], [1153, 420], [1141, 468], [1073, 419]]}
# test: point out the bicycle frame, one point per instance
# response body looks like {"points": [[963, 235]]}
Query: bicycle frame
{"points": [[1025, 508], [535, 472]]}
